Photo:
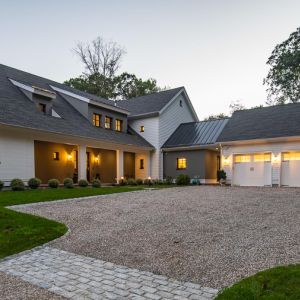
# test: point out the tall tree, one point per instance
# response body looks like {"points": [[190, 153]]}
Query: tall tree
{"points": [[283, 77], [100, 56]]}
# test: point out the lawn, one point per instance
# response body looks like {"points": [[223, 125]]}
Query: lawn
{"points": [[19, 231], [282, 283]]}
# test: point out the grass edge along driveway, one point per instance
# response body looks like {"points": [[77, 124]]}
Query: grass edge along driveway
{"points": [[20, 231]]}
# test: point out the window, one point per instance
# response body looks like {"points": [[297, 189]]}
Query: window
{"points": [[181, 163], [96, 120], [42, 107], [142, 164], [242, 158], [287, 156], [108, 122], [180, 103], [142, 128], [119, 125], [56, 155], [262, 157]]}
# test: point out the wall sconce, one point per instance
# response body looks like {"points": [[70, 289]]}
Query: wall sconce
{"points": [[149, 177], [69, 157], [275, 158], [226, 161], [97, 159]]}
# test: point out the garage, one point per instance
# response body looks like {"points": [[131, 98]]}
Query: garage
{"points": [[252, 169], [290, 169]]}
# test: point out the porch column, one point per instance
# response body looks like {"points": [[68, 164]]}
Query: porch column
{"points": [[82, 162], [120, 164], [148, 164]]}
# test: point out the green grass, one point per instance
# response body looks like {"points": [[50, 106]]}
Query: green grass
{"points": [[19, 231], [280, 283]]}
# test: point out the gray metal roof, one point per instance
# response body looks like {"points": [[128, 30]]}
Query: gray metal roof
{"points": [[196, 134], [149, 104], [262, 123], [17, 110]]}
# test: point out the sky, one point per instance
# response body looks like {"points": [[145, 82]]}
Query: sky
{"points": [[217, 50]]}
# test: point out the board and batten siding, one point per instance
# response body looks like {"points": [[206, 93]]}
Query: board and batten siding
{"points": [[16, 157], [275, 149]]}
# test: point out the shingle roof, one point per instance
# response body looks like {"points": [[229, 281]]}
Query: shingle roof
{"points": [[17, 110], [263, 123], [148, 104], [196, 134]]}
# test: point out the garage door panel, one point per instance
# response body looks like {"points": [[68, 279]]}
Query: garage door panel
{"points": [[290, 173]]}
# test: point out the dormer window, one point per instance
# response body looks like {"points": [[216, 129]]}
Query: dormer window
{"points": [[42, 107], [108, 123], [96, 120], [180, 103], [119, 125]]}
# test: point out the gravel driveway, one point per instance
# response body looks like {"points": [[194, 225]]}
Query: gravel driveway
{"points": [[210, 235]]}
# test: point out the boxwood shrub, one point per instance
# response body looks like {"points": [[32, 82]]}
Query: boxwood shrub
{"points": [[53, 183], [1, 185], [131, 181], [17, 185], [139, 181], [96, 183], [83, 183], [68, 183], [34, 183], [183, 179]]}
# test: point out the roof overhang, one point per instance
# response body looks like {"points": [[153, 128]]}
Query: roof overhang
{"points": [[191, 147], [142, 116], [91, 101]]}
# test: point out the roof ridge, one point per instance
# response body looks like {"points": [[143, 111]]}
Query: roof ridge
{"points": [[268, 107]]}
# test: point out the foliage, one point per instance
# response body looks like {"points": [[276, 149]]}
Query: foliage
{"points": [[148, 182], [131, 181], [139, 181], [169, 180], [216, 117], [221, 174], [96, 183], [123, 182], [283, 78], [83, 183], [235, 106], [53, 183], [17, 185], [34, 183], [276, 283], [183, 179], [1, 185], [68, 183]]}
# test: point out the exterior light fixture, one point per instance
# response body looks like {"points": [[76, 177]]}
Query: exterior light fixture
{"points": [[97, 159], [122, 177], [69, 157], [226, 161], [275, 158]]}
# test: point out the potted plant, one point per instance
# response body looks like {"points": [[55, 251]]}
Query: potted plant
{"points": [[221, 176]]}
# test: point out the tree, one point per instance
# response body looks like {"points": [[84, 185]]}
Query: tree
{"points": [[235, 106], [216, 117], [100, 56], [283, 77]]}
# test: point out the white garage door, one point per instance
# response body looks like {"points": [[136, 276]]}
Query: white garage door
{"points": [[290, 169], [252, 169]]}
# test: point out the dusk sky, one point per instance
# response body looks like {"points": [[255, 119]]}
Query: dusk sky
{"points": [[216, 49]]}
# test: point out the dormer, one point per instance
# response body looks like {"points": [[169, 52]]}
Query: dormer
{"points": [[42, 98]]}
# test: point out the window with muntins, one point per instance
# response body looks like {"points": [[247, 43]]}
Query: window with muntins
{"points": [[96, 120], [119, 125], [142, 164], [108, 122], [181, 163]]}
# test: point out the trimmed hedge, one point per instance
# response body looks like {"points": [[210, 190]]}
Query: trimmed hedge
{"points": [[96, 183], [53, 183], [83, 183], [139, 181], [131, 181], [17, 185], [183, 179], [1, 185], [34, 183], [68, 183]]}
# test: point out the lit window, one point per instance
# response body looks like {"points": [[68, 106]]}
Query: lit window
{"points": [[96, 120], [262, 157], [141, 164], [287, 156], [242, 158], [56, 155], [108, 122], [142, 128], [119, 124], [181, 163], [42, 107]]}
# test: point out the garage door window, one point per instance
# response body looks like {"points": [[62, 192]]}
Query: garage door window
{"points": [[262, 157], [287, 156], [242, 158]]}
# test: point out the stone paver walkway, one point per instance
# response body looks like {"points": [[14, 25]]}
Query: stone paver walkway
{"points": [[79, 277]]}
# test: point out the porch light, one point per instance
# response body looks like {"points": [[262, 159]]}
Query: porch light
{"points": [[69, 157], [97, 159], [226, 161], [122, 177], [149, 177], [275, 158]]}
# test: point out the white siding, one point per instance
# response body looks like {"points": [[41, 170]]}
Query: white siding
{"points": [[151, 134], [16, 157], [275, 148]]}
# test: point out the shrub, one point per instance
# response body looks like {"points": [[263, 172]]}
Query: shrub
{"points": [[83, 183], [53, 183], [1, 185], [183, 179], [195, 181], [17, 185], [96, 183], [139, 181], [123, 182], [68, 183], [131, 181], [169, 180], [34, 183], [148, 182], [221, 174]]}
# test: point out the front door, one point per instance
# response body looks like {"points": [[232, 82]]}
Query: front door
{"points": [[88, 167]]}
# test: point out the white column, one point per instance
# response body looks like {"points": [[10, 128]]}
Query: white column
{"points": [[149, 164], [120, 164], [82, 162]]}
